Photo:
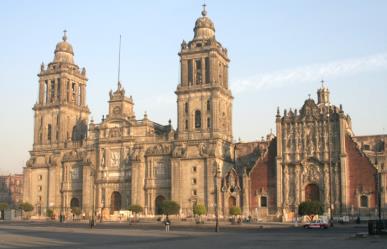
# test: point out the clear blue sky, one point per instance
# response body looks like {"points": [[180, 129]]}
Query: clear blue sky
{"points": [[279, 52]]}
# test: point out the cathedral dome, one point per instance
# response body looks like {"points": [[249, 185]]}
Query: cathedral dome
{"points": [[204, 27], [64, 51]]}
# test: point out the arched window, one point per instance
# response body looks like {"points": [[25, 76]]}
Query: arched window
{"points": [[186, 107], [208, 123], [363, 201], [74, 203], [312, 192], [198, 119], [231, 202], [208, 105], [49, 133]]}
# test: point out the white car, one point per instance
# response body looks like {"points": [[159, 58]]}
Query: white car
{"points": [[317, 224]]}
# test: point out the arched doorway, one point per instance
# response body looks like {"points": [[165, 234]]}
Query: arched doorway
{"points": [[158, 202], [231, 201], [312, 192], [115, 202], [74, 203]]}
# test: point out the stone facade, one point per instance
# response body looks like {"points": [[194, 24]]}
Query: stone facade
{"points": [[105, 167]]}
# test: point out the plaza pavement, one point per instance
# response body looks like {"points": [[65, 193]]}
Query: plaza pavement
{"points": [[182, 235]]}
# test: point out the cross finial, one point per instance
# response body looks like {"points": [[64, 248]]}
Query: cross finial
{"points": [[322, 83], [64, 35], [204, 12], [309, 95]]}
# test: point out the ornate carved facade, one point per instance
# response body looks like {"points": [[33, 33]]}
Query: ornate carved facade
{"points": [[124, 160]]}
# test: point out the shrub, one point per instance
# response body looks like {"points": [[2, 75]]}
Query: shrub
{"points": [[199, 209], [49, 213], [235, 211], [310, 208]]}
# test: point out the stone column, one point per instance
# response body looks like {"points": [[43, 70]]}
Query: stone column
{"points": [[83, 95], [286, 186], [68, 91], [41, 91], [203, 62], [226, 76], [297, 172], [56, 100], [246, 194], [184, 72], [48, 91], [327, 187]]}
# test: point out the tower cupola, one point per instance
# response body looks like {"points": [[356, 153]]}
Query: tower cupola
{"points": [[64, 51], [204, 27]]}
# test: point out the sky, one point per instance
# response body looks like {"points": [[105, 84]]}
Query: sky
{"points": [[279, 51]]}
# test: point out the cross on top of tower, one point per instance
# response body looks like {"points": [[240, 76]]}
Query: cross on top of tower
{"points": [[64, 35], [204, 12]]}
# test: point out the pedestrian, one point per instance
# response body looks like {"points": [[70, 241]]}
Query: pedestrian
{"points": [[167, 223]]}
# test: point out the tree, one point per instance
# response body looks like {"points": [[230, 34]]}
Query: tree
{"points": [[136, 209], [3, 207], [26, 207], [310, 208], [234, 211], [169, 208], [199, 209], [49, 213]]}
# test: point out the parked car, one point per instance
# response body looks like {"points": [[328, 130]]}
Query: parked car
{"points": [[317, 224]]}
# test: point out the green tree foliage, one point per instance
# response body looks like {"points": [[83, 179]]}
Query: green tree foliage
{"points": [[3, 206], [199, 209], [26, 207], [135, 208], [310, 208], [169, 208], [49, 213], [235, 211]]}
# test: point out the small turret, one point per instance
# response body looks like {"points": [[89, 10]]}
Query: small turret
{"points": [[323, 95]]}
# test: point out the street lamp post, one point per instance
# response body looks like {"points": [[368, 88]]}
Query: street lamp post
{"points": [[217, 172]]}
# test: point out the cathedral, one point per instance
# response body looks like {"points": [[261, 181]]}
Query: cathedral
{"points": [[105, 167]]}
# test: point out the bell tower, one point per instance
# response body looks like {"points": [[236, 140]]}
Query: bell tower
{"points": [[61, 106], [204, 101]]}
